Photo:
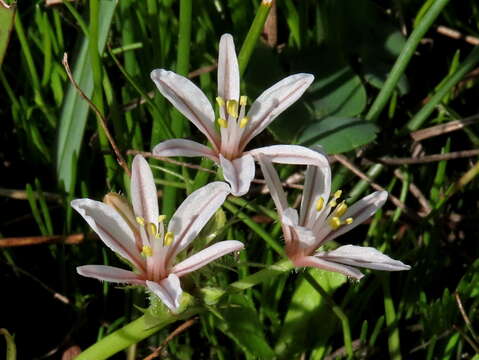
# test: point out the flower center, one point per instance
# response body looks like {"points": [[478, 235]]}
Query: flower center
{"points": [[229, 114], [338, 210]]}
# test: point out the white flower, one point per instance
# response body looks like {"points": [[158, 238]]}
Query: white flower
{"points": [[138, 235], [236, 126], [320, 221]]}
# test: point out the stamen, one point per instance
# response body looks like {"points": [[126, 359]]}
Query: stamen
{"points": [[232, 108], [243, 122], [348, 221], [341, 209], [334, 222], [169, 237], [320, 204], [220, 101], [161, 218], [223, 123], [243, 100], [338, 194], [332, 203], [151, 228], [147, 251], [140, 220]]}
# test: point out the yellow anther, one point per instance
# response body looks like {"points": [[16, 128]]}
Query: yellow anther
{"points": [[151, 228], [332, 203], [223, 123], [338, 194], [169, 237], [243, 100], [320, 204], [341, 209], [348, 221], [147, 251], [140, 220], [334, 222], [243, 122], [220, 101], [232, 107], [161, 218]]}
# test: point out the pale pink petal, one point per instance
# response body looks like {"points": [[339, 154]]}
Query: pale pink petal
{"points": [[206, 256], [143, 191], [228, 71], [274, 183], [290, 217], [194, 213], [111, 274], [183, 147], [366, 257], [189, 100], [291, 154], [360, 211], [111, 228], [304, 237], [317, 185], [238, 173], [312, 261], [273, 102], [168, 290]]}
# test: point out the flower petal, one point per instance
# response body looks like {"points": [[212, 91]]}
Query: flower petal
{"points": [[206, 256], [362, 256], [291, 154], [238, 173], [194, 213], [189, 100], [317, 185], [273, 102], [111, 228], [313, 261], [143, 191], [304, 238], [228, 70], [183, 147], [168, 290], [274, 183], [360, 211], [111, 274]]}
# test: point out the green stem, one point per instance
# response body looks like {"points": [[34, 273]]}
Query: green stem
{"points": [[258, 277], [337, 311], [253, 35], [255, 227], [404, 58], [391, 321], [182, 66], [363, 185], [469, 63]]}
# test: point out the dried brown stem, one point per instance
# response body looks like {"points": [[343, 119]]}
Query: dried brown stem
{"points": [[428, 158], [417, 193], [37, 240], [175, 332], [22, 195], [346, 163], [443, 128], [443, 30], [100, 116]]}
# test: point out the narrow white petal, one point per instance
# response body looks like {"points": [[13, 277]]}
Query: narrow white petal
{"points": [[206, 256], [274, 183], [238, 173], [313, 261], [189, 100], [303, 236], [143, 191], [317, 185], [228, 70], [111, 228], [273, 102], [111, 274], [168, 290], [194, 213], [360, 211], [362, 256], [290, 217], [183, 147], [292, 154]]}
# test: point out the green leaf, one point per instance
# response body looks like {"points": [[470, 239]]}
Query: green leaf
{"points": [[7, 15], [75, 110], [338, 134], [11, 348], [308, 310], [240, 322]]}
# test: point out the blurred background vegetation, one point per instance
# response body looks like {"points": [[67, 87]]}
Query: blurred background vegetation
{"points": [[394, 102]]}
